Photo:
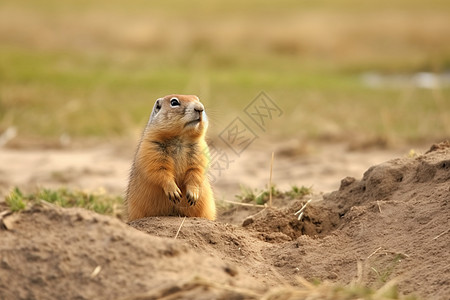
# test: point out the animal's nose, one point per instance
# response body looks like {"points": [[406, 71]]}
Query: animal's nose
{"points": [[199, 107]]}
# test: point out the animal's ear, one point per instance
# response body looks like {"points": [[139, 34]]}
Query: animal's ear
{"points": [[156, 109]]}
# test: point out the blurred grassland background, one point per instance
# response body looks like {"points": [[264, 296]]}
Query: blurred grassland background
{"points": [[340, 70]]}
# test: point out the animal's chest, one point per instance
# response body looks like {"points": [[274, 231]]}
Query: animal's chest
{"points": [[176, 150], [183, 155]]}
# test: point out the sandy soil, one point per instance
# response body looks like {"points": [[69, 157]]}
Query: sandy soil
{"points": [[392, 224], [106, 167]]}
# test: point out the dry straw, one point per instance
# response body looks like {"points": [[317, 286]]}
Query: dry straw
{"points": [[179, 228], [270, 181]]}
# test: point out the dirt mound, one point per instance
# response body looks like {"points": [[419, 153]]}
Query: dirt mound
{"points": [[401, 210], [233, 245], [393, 224], [404, 178], [390, 225], [52, 253]]}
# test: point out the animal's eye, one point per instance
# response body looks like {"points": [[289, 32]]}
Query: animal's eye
{"points": [[174, 102]]}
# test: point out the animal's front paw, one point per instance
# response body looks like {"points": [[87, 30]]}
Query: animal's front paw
{"points": [[192, 195], [173, 192]]}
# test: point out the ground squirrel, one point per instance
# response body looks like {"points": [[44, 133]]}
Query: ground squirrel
{"points": [[168, 176]]}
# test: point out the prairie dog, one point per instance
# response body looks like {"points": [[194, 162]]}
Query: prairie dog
{"points": [[168, 176]]}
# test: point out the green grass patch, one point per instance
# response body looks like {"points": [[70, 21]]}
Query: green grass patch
{"points": [[104, 98], [98, 202], [15, 200], [298, 192], [261, 197]]}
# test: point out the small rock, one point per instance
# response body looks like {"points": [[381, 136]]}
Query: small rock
{"points": [[230, 270], [248, 221]]}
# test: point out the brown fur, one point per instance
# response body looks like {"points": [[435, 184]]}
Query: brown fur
{"points": [[168, 175]]}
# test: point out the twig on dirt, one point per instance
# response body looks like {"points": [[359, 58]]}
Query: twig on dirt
{"points": [[270, 181], [254, 215], [5, 213], [375, 270], [46, 203], [379, 207], [396, 252], [301, 210], [244, 204], [373, 252], [426, 226], [438, 236], [179, 228], [359, 268], [386, 252], [96, 271]]}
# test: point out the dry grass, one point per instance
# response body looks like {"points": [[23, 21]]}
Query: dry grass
{"points": [[305, 290]]}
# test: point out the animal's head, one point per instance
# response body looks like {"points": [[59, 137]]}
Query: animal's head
{"points": [[179, 115]]}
